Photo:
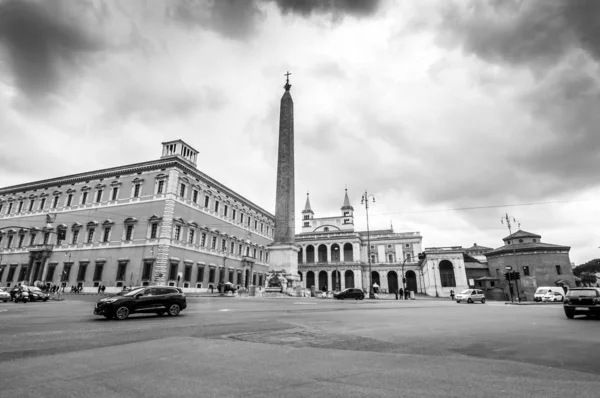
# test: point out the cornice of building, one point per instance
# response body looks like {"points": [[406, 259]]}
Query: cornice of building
{"points": [[130, 169]]}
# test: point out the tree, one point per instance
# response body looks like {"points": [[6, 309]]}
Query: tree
{"points": [[588, 278], [592, 266]]}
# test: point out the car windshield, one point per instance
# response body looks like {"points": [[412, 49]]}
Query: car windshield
{"points": [[542, 291], [582, 293], [468, 291], [134, 292]]}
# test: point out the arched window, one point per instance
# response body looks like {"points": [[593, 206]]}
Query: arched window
{"points": [[447, 274]]}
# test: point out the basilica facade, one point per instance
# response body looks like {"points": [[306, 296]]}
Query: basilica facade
{"points": [[159, 222], [334, 256]]}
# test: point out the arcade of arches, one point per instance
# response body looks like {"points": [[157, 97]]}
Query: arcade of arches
{"points": [[322, 253], [339, 279]]}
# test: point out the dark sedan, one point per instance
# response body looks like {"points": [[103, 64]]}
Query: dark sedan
{"points": [[582, 301], [350, 293], [36, 294], [156, 299]]}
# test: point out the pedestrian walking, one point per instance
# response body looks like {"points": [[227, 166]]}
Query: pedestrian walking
{"points": [[402, 293], [99, 288], [451, 294], [396, 293], [103, 289]]}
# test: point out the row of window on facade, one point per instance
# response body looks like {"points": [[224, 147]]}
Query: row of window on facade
{"points": [[212, 204], [321, 256], [207, 240], [225, 210], [215, 274]]}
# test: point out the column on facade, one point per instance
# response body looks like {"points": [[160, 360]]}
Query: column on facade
{"points": [[304, 254], [328, 253], [304, 278], [341, 246], [357, 279], [342, 279], [329, 286]]}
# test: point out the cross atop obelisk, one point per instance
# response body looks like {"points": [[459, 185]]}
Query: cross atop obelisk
{"points": [[287, 81]]}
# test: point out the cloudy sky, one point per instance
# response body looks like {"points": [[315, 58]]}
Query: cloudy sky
{"points": [[452, 113]]}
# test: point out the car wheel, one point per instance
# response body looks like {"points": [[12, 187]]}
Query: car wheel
{"points": [[174, 310], [361, 298], [458, 301], [569, 314], [482, 301], [469, 301], [122, 313], [46, 299]]}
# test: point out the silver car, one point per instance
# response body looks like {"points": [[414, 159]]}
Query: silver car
{"points": [[4, 295], [470, 296]]}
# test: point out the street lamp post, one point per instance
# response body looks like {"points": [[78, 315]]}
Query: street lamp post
{"points": [[365, 200], [435, 280], [403, 279], [337, 272], [508, 224]]}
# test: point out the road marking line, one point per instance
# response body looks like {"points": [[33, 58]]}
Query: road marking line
{"points": [[304, 303], [225, 309]]}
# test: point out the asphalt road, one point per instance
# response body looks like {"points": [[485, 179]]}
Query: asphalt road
{"points": [[246, 347]]}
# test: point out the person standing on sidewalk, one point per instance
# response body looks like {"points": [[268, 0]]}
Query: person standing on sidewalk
{"points": [[452, 295]]}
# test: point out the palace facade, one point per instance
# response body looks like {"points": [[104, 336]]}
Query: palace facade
{"points": [[335, 256], [159, 222]]}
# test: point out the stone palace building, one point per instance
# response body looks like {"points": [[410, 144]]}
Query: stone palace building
{"points": [[157, 222]]}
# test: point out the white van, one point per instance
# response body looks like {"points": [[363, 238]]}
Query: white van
{"points": [[543, 290]]}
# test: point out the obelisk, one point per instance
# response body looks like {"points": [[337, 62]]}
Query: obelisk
{"points": [[283, 253]]}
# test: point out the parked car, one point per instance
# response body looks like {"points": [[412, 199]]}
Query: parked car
{"points": [[470, 296], [350, 293], [543, 290], [155, 299], [4, 295], [553, 296], [582, 301], [36, 294]]}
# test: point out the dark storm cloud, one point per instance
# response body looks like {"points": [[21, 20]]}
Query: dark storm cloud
{"points": [[40, 44], [232, 18], [558, 41], [535, 33], [237, 19], [356, 8]]}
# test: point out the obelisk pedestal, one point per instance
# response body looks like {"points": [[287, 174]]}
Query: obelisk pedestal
{"points": [[283, 252]]}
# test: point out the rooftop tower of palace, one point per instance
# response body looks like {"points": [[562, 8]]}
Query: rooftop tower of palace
{"points": [[157, 222]]}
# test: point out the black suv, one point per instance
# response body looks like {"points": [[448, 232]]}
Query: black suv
{"points": [[155, 299], [350, 293], [582, 301]]}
